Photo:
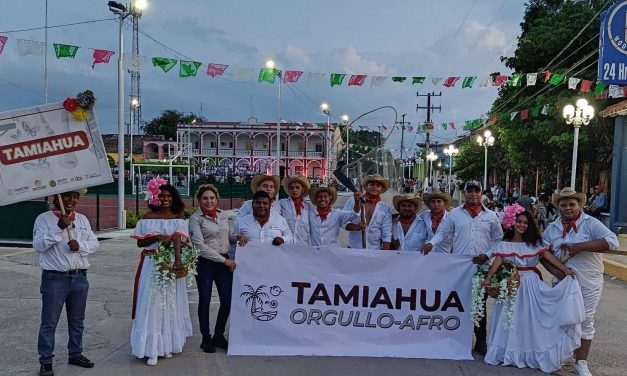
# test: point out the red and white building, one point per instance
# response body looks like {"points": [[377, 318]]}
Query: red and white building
{"points": [[249, 145]]}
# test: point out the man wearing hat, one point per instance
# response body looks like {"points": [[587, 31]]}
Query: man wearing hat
{"points": [[268, 184], [437, 202], [472, 229], [576, 238], [64, 264], [408, 230], [295, 209], [325, 221], [378, 215]]}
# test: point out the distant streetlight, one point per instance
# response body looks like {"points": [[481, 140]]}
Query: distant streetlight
{"points": [[431, 157], [272, 65], [450, 151], [486, 141], [345, 119], [325, 110], [582, 114], [134, 105]]}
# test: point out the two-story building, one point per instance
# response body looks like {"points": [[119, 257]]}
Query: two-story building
{"points": [[250, 146]]}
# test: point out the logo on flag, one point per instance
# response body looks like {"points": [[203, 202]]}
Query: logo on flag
{"points": [[262, 304]]}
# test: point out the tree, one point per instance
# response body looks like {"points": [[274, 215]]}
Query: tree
{"points": [[165, 124]]}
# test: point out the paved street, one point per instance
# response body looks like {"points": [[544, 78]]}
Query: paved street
{"points": [[108, 326]]}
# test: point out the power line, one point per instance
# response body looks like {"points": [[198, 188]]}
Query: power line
{"points": [[485, 30], [57, 26], [21, 87]]}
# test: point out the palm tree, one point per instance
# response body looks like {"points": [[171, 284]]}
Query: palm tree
{"points": [[254, 296]]}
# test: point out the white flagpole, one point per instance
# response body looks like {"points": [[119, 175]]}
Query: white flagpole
{"points": [[46, 56]]}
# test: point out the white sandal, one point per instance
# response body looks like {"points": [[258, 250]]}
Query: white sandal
{"points": [[152, 361]]}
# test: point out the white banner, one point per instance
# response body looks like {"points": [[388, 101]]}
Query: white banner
{"points": [[43, 151], [298, 300]]}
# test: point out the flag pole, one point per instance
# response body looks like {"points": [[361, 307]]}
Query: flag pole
{"points": [[46, 55]]}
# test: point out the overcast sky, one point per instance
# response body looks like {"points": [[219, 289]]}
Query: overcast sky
{"points": [[437, 38]]}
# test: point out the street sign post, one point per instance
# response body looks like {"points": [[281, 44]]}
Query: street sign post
{"points": [[612, 67]]}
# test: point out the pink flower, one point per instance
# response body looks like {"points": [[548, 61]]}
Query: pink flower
{"points": [[152, 189], [510, 215]]}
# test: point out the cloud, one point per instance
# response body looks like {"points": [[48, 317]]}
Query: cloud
{"points": [[489, 38], [352, 62], [296, 56]]}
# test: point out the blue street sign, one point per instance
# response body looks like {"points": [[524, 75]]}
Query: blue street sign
{"points": [[613, 45]]}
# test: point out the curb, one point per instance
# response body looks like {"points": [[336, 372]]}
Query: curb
{"points": [[615, 269]]}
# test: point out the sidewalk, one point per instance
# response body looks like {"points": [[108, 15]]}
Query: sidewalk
{"points": [[616, 266]]}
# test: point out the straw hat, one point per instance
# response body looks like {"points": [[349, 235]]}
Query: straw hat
{"points": [[80, 191], [258, 179], [313, 194], [413, 198], [297, 179], [428, 196], [376, 178], [568, 192]]}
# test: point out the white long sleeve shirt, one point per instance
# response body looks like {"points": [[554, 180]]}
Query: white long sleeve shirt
{"points": [[324, 233], [468, 235], [379, 229], [51, 243], [587, 265], [415, 237], [247, 208], [255, 233], [299, 224], [210, 236], [443, 247]]}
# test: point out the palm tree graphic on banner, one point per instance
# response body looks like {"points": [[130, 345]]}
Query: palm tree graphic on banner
{"points": [[257, 298]]}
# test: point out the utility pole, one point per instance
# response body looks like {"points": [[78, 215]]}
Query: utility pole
{"points": [[428, 129], [402, 123]]}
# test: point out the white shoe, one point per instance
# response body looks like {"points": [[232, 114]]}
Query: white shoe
{"points": [[152, 361], [168, 356], [581, 368]]}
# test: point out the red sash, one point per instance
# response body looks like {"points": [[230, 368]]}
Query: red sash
{"points": [[138, 273], [532, 268]]}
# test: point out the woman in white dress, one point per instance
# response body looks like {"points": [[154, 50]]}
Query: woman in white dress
{"points": [[546, 324], [161, 320]]}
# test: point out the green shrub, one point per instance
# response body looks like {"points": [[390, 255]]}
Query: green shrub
{"points": [[132, 218]]}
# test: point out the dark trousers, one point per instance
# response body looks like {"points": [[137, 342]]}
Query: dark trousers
{"points": [[481, 330], [208, 273], [57, 290]]}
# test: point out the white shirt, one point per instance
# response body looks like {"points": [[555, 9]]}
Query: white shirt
{"points": [[51, 243], [379, 229], [324, 233], [587, 265], [469, 236], [210, 236], [254, 233], [415, 237], [298, 224], [443, 247], [247, 208]]}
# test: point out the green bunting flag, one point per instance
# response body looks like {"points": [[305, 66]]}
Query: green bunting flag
{"points": [[556, 79], [515, 80], [417, 80], [65, 50], [468, 82], [476, 123], [399, 79], [535, 112], [598, 89], [337, 78], [267, 75], [164, 63], [444, 126], [188, 68]]}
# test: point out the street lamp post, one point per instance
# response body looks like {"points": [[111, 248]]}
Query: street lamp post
{"points": [[345, 119], [134, 105], [325, 110], [582, 114], [431, 157], [486, 141], [451, 151], [271, 65]]}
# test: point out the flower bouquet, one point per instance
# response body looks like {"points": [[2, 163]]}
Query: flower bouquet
{"points": [[503, 287], [164, 259]]}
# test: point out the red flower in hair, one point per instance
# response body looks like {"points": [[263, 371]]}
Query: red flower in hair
{"points": [[70, 104]]}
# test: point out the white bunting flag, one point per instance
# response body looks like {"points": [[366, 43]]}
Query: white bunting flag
{"points": [[314, 78], [513, 115], [436, 80], [545, 109], [616, 91], [30, 47], [134, 63], [377, 80], [573, 82], [531, 79], [484, 81]]}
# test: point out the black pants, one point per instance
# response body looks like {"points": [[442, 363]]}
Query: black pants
{"points": [[208, 273]]}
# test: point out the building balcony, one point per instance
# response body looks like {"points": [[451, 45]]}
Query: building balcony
{"points": [[296, 154], [315, 154], [207, 152], [242, 153], [260, 153], [226, 153]]}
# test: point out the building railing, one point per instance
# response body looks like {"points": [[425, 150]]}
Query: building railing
{"points": [[260, 153], [296, 154], [226, 153], [243, 153], [247, 153], [314, 154], [208, 151]]}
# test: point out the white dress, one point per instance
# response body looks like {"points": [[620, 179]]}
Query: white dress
{"points": [[162, 321], [546, 327]]}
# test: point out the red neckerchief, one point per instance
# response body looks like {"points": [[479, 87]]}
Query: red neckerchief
{"points": [[58, 214], [408, 220], [473, 210], [263, 220], [298, 204], [213, 213], [436, 219], [372, 199], [568, 225], [323, 213]]}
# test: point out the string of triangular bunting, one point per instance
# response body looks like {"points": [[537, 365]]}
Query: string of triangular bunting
{"points": [[188, 68]]}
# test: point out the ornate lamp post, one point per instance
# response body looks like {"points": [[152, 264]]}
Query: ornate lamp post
{"points": [[345, 120], [325, 110], [582, 114], [486, 141], [431, 157], [450, 151]]}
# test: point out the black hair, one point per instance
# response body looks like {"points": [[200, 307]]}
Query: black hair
{"points": [[261, 194], [178, 206], [531, 236]]}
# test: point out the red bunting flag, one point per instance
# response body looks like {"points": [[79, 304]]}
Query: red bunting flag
{"points": [[215, 70], [451, 81], [357, 80], [499, 80], [410, 128], [383, 127], [524, 114], [3, 41], [585, 86], [292, 76], [547, 76], [494, 119], [452, 125], [100, 57]]}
